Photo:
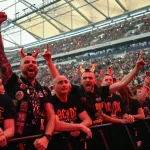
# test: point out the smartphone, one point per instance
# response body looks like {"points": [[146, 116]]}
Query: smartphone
{"points": [[147, 73]]}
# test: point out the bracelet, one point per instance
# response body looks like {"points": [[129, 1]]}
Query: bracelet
{"points": [[48, 136]]}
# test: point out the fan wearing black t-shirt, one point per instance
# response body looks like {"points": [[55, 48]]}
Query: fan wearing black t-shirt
{"points": [[68, 108], [113, 106], [141, 93], [7, 116], [94, 97], [70, 115]]}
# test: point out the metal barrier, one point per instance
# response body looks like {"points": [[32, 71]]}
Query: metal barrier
{"points": [[111, 136]]}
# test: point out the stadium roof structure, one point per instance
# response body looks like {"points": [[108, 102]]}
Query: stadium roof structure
{"points": [[34, 20]]}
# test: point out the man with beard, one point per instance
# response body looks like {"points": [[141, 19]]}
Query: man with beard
{"points": [[29, 98], [115, 109], [113, 104], [92, 95], [70, 115]]}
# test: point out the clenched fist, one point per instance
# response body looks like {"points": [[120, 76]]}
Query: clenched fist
{"points": [[3, 17]]}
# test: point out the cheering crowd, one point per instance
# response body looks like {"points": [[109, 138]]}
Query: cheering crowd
{"points": [[127, 28], [29, 108]]}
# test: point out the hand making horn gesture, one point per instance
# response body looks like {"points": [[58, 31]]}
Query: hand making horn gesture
{"points": [[3, 17], [47, 54], [102, 73], [110, 71], [140, 62]]}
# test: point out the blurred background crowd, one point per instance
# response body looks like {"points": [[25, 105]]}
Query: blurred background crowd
{"points": [[110, 32], [121, 58]]}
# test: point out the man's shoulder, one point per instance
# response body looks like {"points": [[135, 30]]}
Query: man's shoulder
{"points": [[54, 99], [77, 87], [116, 97], [13, 85], [102, 90], [46, 90], [14, 79]]}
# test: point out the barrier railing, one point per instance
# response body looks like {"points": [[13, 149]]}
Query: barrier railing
{"points": [[111, 136]]}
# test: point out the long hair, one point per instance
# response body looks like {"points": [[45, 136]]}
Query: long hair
{"points": [[126, 95]]}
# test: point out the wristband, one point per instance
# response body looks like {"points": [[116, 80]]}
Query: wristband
{"points": [[48, 136]]}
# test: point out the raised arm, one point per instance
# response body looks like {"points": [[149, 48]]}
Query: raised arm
{"points": [[127, 79], [47, 56], [144, 91], [5, 68]]}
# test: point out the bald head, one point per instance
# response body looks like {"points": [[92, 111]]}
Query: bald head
{"points": [[26, 58], [58, 78], [61, 85]]}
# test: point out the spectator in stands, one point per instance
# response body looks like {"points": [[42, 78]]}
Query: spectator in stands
{"points": [[119, 30], [141, 93]]}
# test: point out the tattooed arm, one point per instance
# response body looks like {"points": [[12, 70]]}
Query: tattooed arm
{"points": [[5, 68]]}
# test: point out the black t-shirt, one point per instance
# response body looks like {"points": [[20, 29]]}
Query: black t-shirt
{"points": [[29, 101], [68, 111], [113, 106], [7, 109], [146, 107], [134, 105], [93, 102]]}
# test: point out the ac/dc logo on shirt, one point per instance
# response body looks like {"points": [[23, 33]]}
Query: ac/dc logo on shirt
{"points": [[98, 99], [112, 107], [67, 115], [99, 113]]}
